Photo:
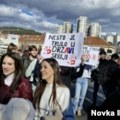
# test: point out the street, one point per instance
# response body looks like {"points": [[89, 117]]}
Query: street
{"points": [[88, 100]]}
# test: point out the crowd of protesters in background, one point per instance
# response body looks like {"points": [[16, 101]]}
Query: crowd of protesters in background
{"points": [[107, 75], [41, 89]]}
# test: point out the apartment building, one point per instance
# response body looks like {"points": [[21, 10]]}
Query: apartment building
{"points": [[82, 24], [117, 39], [67, 27], [110, 39], [94, 30]]}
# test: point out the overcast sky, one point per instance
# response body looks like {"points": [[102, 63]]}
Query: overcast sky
{"points": [[46, 15]]}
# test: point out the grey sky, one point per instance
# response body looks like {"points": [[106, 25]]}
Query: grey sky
{"points": [[46, 15]]}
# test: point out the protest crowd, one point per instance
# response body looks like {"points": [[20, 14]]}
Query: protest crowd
{"points": [[37, 88]]}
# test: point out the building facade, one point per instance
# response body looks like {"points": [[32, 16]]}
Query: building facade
{"points": [[117, 39], [110, 39], [9, 38], [94, 30], [82, 25], [67, 27]]}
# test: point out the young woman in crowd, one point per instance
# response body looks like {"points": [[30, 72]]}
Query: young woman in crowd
{"points": [[29, 62], [12, 48], [14, 87], [51, 98], [81, 85]]}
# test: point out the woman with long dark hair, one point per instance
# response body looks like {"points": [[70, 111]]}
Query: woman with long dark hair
{"points": [[51, 95], [13, 86]]}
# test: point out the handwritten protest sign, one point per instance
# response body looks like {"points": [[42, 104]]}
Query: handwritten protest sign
{"points": [[91, 55], [66, 48]]}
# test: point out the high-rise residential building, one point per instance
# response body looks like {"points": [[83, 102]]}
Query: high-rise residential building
{"points": [[117, 40], [67, 27], [110, 39], [82, 24], [60, 29], [94, 29]]}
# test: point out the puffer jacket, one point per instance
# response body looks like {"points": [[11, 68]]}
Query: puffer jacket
{"points": [[24, 90]]}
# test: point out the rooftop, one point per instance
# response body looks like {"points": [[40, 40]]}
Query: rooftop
{"points": [[96, 41]]}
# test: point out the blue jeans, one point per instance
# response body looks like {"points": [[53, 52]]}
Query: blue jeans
{"points": [[81, 86], [68, 114]]}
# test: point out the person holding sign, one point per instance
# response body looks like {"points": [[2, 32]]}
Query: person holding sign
{"points": [[81, 86]]}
